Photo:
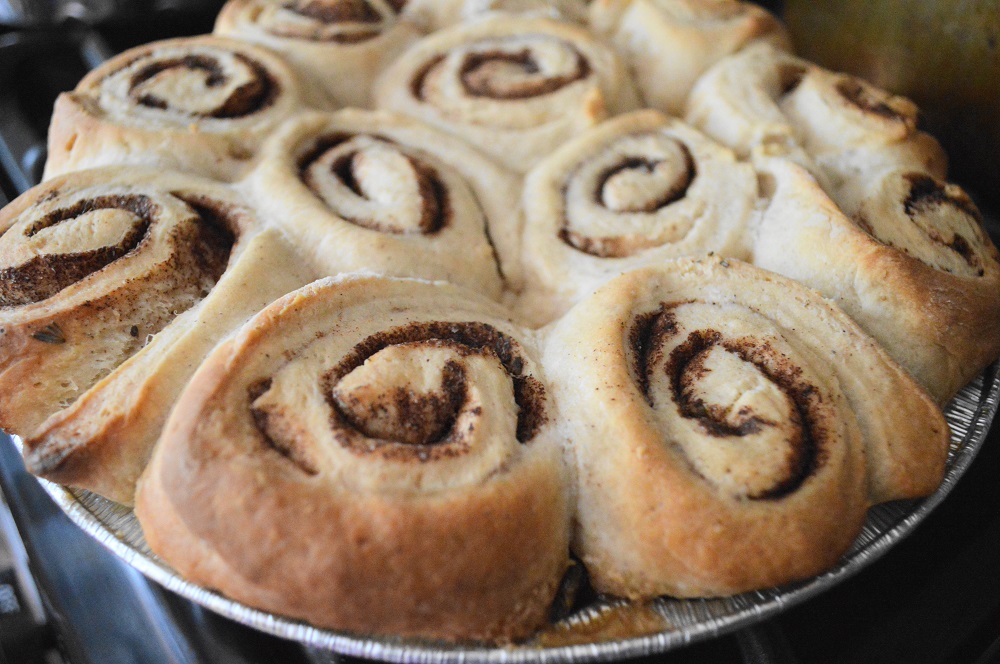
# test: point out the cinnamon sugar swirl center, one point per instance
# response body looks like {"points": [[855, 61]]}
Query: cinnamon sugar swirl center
{"points": [[376, 183], [338, 21], [481, 80], [425, 404], [518, 74], [174, 84], [409, 393], [736, 406], [453, 345], [831, 109], [65, 240], [41, 258], [935, 222], [617, 200], [869, 99]]}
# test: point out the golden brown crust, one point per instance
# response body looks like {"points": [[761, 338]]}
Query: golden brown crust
{"points": [[469, 545], [199, 104], [913, 267], [93, 367], [69, 333], [390, 457], [727, 425]]}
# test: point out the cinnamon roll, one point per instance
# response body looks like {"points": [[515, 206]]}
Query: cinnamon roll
{"points": [[361, 190], [340, 45], [115, 283], [514, 87], [438, 14], [199, 104], [636, 190], [764, 102], [391, 438], [670, 43], [730, 428], [908, 260]]}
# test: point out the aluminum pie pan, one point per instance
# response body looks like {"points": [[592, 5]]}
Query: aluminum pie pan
{"points": [[602, 631]]}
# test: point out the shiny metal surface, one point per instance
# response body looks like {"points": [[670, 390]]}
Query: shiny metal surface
{"points": [[679, 621]]}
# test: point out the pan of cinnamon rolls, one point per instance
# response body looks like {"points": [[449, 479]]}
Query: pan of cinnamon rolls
{"points": [[441, 330]]}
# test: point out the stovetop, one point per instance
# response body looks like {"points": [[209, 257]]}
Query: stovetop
{"points": [[934, 599]]}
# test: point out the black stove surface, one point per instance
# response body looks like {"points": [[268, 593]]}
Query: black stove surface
{"points": [[934, 598]]}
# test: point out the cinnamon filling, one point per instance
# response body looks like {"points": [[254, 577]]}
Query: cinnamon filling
{"points": [[514, 75], [417, 86], [926, 193], [289, 447], [867, 99], [671, 189], [251, 96], [405, 415], [930, 203], [374, 171], [336, 11], [714, 401], [44, 275], [644, 340], [424, 415], [206, 245], [687, 364], [338, 21], [634, 185], [791, 77]]}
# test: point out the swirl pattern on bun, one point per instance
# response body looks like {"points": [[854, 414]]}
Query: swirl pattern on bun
{"points": [[398, 437], [442, 13], [513, 87], [533, 334], [729, 429], [636, 190], [341, 45], [763, 102], [199, 104], [364, 190], [909, 261], [111, 295]]}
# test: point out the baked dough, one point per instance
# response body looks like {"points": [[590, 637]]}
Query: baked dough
{"points": [[388, 456], [514, 87], [636, 190], [909, 261], [763, 102], [339, 45], [373, 455], [729, 429], [197, 104], [116, 283], [668, 44], [362, 190], [437, 14]]}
